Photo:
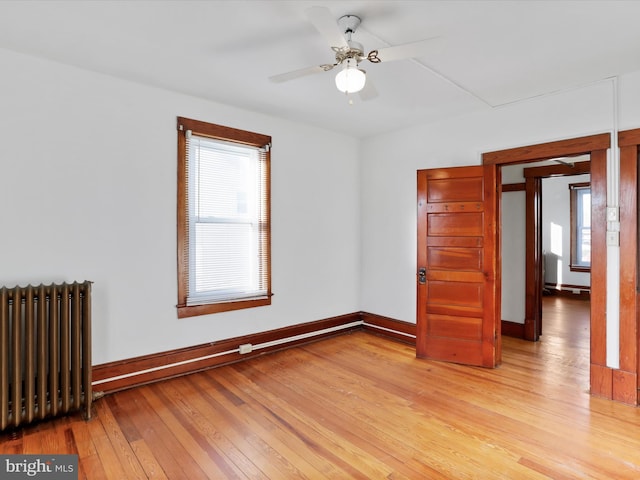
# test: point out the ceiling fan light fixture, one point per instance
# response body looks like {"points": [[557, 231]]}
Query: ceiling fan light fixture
{"points": [[350, 79]]}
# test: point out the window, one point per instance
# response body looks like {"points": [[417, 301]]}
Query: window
{"points": [[223, 219], [580, 204]]}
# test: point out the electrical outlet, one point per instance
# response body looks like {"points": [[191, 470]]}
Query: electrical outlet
{"points": [[245, 348]]}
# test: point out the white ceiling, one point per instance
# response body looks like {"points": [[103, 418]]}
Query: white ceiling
{"points": [[485, 53]]}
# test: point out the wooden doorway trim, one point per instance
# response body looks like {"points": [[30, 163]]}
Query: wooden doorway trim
{"points": [[534, 279], [625, 380], [533, 259], [545, 151], [601, 376]]}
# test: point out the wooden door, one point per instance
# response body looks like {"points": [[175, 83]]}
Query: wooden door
{"points": [[458, 311]]}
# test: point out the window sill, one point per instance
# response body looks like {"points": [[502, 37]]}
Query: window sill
{"points": [[577, 268], [195, 310]]}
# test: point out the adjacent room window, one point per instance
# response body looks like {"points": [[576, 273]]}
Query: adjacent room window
{"points": [[223, 218], [580, 205]]}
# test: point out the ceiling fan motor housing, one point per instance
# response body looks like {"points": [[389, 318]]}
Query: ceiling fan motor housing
{"points": [[348, 24]]}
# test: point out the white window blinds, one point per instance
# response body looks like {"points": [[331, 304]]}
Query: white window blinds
{"points": [[226, 221]]}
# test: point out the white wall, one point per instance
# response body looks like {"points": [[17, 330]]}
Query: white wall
{"points": [[514, 248], [556, 210], [390, 162], [88, 191]]}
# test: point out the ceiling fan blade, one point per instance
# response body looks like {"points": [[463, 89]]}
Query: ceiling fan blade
{"points": [[326, 24], [400, 52], [303, 72], [369, 92]]}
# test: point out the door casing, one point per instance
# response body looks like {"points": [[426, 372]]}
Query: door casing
{"points": [[601, 376]]}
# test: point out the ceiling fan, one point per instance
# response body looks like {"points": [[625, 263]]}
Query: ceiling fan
{"points": [[349, 53]]}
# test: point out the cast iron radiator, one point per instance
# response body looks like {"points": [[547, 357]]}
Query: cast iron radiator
{"points": [[45, 352]]}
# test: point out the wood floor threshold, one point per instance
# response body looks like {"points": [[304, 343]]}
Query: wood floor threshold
{"points": [[129, 373]]}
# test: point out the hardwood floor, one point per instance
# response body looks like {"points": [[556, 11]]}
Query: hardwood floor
{"points": [[360, 406], [564, 340]]}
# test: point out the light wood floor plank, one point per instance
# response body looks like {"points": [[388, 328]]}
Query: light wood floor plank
{"points": [[147, 459], [304, 427], [122, 448], [341, 419], [108, 456], [171, 455], [215, 427], [255, 421], [178, 428], [90, 466]]}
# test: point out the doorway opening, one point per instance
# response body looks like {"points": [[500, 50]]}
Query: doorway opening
{"points": [[554, 257], [558, 194], [596, 148]]}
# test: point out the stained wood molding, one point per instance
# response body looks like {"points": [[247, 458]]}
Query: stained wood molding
{"points": [[512, 329], [533, 259], [513, 187], [624, 387], [557, 170], [128, 373], [598, 260], [123, 374], [571, 291], [545, 151], [601, 381], [629, 138], [625, 382], [389, 327]]}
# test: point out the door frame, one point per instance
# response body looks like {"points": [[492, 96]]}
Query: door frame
{"points": [[625, 379], [618, 384]]}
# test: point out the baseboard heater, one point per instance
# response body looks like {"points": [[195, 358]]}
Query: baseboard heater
{"points": [[45, 352]]}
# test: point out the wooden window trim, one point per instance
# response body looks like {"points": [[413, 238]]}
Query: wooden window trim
{"points": [[573, 267], [217, 132]]}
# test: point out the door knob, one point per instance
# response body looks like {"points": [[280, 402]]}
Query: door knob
{"points": [[422, 275]]}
